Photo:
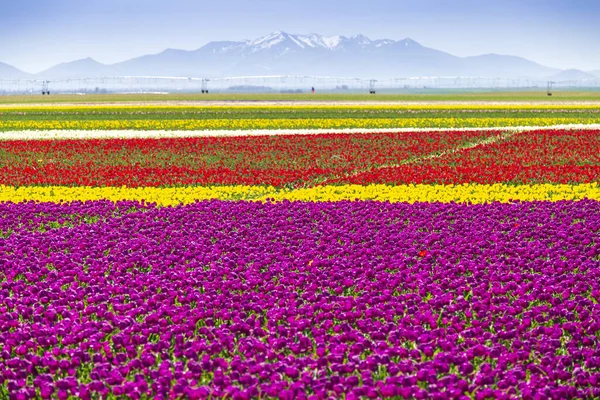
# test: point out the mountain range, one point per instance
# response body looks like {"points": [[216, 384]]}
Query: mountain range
{"points": [[280, 53]]}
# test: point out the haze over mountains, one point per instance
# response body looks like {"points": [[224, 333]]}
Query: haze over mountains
{"points": [[10, 72], [280, 53]]}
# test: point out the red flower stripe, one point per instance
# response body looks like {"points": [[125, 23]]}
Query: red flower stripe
{"points": [[558, 156]]}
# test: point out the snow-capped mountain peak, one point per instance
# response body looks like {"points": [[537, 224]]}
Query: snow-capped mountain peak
{"points": [[269, 40], [302, 41], [311, 41]]}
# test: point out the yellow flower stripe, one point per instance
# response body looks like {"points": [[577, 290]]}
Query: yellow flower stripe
{"points": [[473, 193], [308, 123]]}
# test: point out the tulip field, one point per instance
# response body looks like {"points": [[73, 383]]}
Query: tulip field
{"points": [[369, 260], [188, 118]]}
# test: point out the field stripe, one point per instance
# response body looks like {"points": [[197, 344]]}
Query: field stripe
{"points": [[466, 193], [415, 160], [124, 134]]}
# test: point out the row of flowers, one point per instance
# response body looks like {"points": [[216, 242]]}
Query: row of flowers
{"points": [[300, 300], [456, 157], [169, 196], [288, 123]]}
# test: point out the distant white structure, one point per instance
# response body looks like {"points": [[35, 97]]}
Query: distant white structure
{"points": [[277, 84]]}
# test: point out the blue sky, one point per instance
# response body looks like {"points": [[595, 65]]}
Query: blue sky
{"points": [[36, 34]]}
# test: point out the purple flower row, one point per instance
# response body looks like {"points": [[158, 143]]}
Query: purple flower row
{"points": [[300, 300]]}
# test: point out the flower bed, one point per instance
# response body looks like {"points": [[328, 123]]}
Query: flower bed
{"points": [[485, 157], [293, 300], [171, 196], [231, 117]]}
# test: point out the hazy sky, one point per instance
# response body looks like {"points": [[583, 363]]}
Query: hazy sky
{"points": [[36, 34]]}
